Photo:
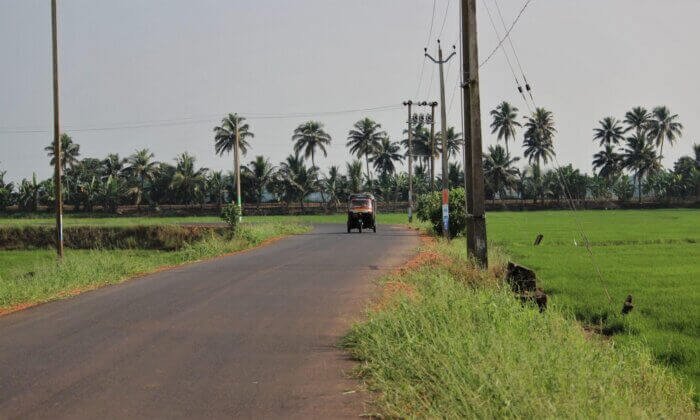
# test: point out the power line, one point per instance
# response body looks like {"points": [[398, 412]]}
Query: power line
{"points": [[197, 120], [427, 41], [586, 242], [430, 85], [512, 25], [515, 54], [505, 54], [430, 31], [444, 19]]}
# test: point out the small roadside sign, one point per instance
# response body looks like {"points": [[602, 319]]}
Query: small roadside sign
{"points": [[445, 213]]}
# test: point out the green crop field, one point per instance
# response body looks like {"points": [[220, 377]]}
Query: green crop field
{"points": [[653, 255]]}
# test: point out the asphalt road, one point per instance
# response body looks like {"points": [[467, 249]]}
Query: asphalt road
{"points": [[249, 335]]}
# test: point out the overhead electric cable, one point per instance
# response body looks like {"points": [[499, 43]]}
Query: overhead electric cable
{"points": [[505, 54], [427, 41], [512, 25], [444, 19], [515, 54], [196, 120]]}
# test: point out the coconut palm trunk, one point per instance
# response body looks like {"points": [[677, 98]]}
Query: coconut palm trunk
{"points": [[369, 176], [238, 171], [313, 163], [639, 186]]}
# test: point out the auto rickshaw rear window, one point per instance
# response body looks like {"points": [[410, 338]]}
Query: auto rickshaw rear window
{"points": [[359, 203]]}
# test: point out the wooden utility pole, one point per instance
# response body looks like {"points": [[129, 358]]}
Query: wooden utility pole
{"points": [[432, 145], [443, 122], [56, 134], [473, 169], [236, 157], [410, 162]]}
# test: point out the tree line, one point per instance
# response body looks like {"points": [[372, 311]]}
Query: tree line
{"points": [[631, 152]]}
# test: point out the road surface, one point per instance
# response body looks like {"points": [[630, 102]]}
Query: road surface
{"points": [[249, 335]]}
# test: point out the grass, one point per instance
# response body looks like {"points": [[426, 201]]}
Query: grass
{"points": [[451, 343], [80, 220], [652, 255], [28, 277]]}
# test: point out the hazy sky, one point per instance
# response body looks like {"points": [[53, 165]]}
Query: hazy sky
{"points": [[160, 74]]}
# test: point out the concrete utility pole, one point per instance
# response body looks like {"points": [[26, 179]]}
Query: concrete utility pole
{"points": [[236, 157], [432, 145], [409, 103], [443, 122], [56, 134], [473, 170]]}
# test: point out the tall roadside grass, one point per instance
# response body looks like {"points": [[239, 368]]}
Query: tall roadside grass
{"points": [[448, 341], [29, 277]]}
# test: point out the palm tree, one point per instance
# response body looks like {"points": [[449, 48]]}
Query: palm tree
{"points": [[499, 172], [454, 142], [141, 169], [28, 194], [423, 150], [112, 166], [354, 169], [504, 122], [664, 127], [534, 183], [69, 152], [455, 174], [260, 173], [308, 137], [332, 183], [364, 139], [638, 119], [384, 156], [110, 192], [188, 182], [225, 141], [640, 157], [607, 162], [6, 190], [216, 187], [539, 137], [609, 132], [299, 180], [159, 190]]}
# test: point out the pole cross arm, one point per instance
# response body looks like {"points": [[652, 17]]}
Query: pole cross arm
{"points": [[438, 61]]}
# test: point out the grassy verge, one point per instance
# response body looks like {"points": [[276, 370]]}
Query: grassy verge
{"points": [[80, 220], [447, 341], [28, 277]]}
